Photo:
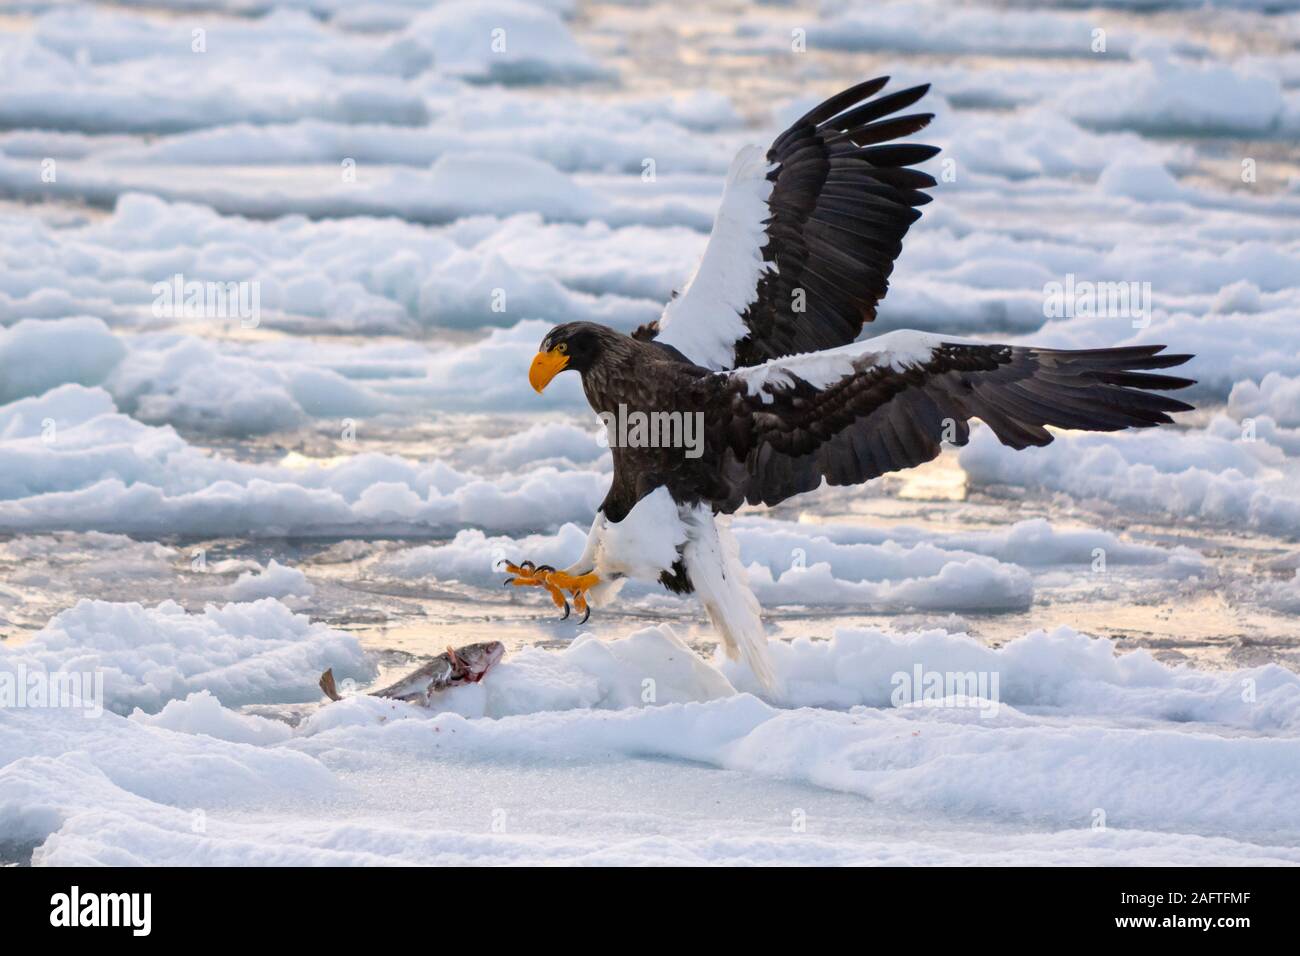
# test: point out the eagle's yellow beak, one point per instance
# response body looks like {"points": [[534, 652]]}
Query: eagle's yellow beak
{"points": [[546, 365]]}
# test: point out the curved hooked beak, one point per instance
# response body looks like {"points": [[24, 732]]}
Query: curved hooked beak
{"points": [[546, 365]]}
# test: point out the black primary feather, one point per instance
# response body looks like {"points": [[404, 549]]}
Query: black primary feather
{"points": [[789, 438], [843, 197]]}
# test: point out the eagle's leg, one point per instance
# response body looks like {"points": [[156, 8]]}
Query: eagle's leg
{"points": [[526, 574]]}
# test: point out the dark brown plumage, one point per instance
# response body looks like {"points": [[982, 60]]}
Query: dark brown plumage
{"points": [[763, 446], [778, 421]]}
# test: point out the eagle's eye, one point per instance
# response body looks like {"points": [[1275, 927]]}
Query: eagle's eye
{"points": [[562, 348]]}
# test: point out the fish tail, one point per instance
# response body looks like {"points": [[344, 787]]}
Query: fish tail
{"points": [[327, 685]]}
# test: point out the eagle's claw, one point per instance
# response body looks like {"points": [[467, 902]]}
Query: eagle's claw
{"points": [[526, 574]]}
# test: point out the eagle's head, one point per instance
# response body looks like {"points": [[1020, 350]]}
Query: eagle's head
{"points": [[574, 345]]}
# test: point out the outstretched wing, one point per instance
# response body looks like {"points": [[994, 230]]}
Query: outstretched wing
{"points": [[856, 412], [805, 240]]}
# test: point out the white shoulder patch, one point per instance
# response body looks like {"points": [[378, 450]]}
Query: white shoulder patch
{"points": [[896, 350], [704, 322]]}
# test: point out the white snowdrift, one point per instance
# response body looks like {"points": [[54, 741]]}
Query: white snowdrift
{"points": [[954, 757], [1035, 542], [973, 584], [502, 41], [244, 389], [482, 183], [919, 27], [242, 653], [276, 581], [364, 275], [575, 133], [473, 557], [35, 355], [192, 385], [1041, 675], [88, 69], [1202, 476], [283, 67], [921, 577], [885, 569], [56, 767], [544, 443], [1163, 95], [1277, 396], [104, 471], [1076, 729], [202, 713]]}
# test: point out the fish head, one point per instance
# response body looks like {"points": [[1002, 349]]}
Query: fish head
{"points": [[471, 662]]}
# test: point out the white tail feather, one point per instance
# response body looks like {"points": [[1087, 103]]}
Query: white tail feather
{"points": [[712, 560]]}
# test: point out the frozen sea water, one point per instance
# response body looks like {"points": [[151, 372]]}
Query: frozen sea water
{"points": [[414, 211]]}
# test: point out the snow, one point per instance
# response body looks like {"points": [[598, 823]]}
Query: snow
{"points": [[475, 183], [1136, 179], [503, 41], [936, 28], [901, 569], [292, 68], [102, 470], [1034, 542], [37, 355], [1276, 396], [201, 713], [975, 584], [1163, 94], [473, 557], [193, 386], [1281, 595], [404, 277], [242, 652], [1062, 672], [1221, 481], [276, 581], [1077, 729]]}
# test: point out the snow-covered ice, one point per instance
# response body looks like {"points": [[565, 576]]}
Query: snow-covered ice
{"points": [[205, 511], [1076, 730], [241, 652]]}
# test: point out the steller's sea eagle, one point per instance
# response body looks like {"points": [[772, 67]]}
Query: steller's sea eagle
{"points": [[760, 350]]}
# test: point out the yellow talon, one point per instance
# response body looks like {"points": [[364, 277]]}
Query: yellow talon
{"points": [[526, 571], [526, 574], [557, 596], [580, 602], [571, 582]]}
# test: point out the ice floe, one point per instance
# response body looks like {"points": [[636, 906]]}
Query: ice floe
{"points": [[243, 653], [1078, 734], [416, 200]]}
